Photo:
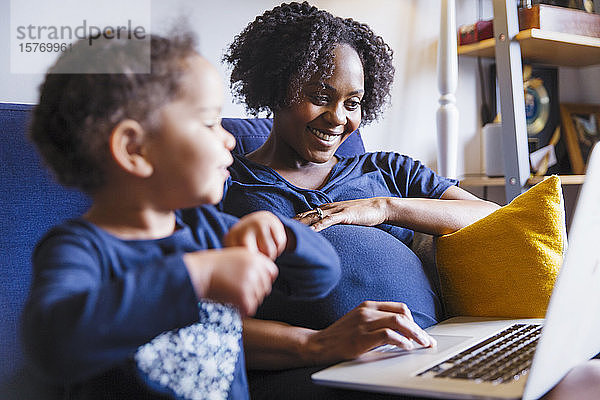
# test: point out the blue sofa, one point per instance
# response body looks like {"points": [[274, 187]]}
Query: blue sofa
{"points": [[32, 202]]}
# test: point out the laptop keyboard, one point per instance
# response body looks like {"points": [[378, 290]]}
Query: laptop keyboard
{"points": [[502, 358]]}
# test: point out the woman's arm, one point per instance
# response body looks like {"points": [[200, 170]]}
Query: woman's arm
{"points": [[456, 209], [276, 345]]}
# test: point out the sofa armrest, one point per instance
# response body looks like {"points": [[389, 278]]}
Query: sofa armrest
{"points": [[423, 245]]}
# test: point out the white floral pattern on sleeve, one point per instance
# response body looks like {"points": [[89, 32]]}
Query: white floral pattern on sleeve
{"points": [[196, 362]]}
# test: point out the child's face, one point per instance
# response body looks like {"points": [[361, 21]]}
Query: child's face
{"points": [[191, 151]]}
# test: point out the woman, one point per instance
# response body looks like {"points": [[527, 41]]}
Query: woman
{"points": [[321, 77]]}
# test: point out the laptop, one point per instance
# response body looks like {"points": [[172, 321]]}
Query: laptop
{"points": [[499, 358]]}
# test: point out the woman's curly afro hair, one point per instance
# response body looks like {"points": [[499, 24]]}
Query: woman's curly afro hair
{"points": [[274, 56]]}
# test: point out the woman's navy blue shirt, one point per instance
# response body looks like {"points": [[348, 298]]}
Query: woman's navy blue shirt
{"points": [[376, 261]]}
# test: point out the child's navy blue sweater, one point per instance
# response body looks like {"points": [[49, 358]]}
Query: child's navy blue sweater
{"points": [[96, 298]]}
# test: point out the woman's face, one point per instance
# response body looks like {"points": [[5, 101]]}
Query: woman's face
{"points": [[327, 112]]}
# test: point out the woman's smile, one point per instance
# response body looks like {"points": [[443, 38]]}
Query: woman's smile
{"points": [[327, 138]]}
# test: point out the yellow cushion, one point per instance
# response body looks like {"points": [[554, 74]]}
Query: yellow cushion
{"points": [[505, 264]]}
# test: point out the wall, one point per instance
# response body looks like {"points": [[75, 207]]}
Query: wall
{"points": [[410, 27]]}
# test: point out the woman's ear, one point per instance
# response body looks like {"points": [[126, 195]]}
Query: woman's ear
{"points": [[128, 142]]}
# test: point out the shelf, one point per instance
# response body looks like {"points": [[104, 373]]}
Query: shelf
{"points": [[484, 48], [545, 47], [482, 180]]}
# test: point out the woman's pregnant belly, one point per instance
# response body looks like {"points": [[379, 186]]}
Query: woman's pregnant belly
{"points": [[375, 266]]}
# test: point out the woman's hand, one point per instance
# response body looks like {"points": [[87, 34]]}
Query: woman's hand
{"points": [[456, 209], [366, 212], [369, 325], [262, 232]]}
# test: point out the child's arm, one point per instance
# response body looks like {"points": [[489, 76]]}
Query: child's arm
{"points": [[309, 267], [261, 232], [88, 313], [235, 276], [82, 317]]}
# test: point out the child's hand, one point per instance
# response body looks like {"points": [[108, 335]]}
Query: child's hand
{"points": [[259, 231], [236, 276]]}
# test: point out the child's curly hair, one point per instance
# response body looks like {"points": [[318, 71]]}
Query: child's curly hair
{"points": [[72, 124], [274, 56]]}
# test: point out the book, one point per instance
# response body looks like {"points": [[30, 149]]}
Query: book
{"points": [[559, 19]]}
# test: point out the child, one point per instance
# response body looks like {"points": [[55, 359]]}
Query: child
{"points": [[122, 293]]}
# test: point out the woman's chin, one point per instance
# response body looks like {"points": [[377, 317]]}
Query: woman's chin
{"points": [[320, 156]]}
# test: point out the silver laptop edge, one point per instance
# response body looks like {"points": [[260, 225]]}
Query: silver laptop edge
{"points": [[570, 334]]}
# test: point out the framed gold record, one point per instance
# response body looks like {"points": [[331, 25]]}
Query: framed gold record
{"points": [[537, 102], [542, 111], [540, 86]]}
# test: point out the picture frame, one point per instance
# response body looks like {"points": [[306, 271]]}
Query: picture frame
{"points": [[542, 113], [581, 127]]}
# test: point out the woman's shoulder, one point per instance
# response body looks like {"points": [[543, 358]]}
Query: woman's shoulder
{"points": [[247, 171], [387, 160], [242, 163], [376, 155]]}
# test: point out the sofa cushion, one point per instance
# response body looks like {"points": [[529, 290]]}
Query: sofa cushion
{"points": [[31, 203], [505, 264]]}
